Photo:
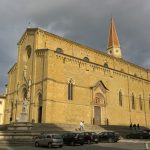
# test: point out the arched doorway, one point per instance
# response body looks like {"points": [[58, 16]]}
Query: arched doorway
{"points": [[40, 108], [99, 103]]}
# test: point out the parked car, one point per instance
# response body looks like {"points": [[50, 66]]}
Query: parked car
{"points": [[109, 136], [138, 134], [147, 130], [73, 138], [49, 140], [90, 137]]}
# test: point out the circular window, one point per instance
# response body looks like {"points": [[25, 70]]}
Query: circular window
{"points": [[105, 65], [86, 59], [59, 50]]}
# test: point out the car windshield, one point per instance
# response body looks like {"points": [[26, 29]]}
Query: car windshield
{"points": [[93, 133], [56, 136], [70, 135], [101, 133]]}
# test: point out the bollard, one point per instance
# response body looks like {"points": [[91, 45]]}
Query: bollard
{"points": [[146, 146]]}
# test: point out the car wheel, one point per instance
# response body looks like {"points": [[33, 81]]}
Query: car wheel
{"points": [[81, 143], [89, 142], [60, 146], [72, 143], [141, 137], [36, 144], [49, 145], [128, 137], [110, 140]]}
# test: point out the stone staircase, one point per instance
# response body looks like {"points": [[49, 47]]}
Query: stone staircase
{"points": [[65, 127], [21, 133], [25, 132]]}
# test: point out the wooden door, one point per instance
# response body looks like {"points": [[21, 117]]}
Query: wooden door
{"points": [[40, 115], [97, 115]]}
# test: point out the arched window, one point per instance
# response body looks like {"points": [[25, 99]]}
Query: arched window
{"points": [[28, 49], [70, 90], [59, 50], [140, 102], [120, 98], [86, 59], [24, 94], [105, 65], [133, 101]]}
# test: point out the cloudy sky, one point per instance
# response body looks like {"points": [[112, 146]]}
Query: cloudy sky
{"points": [[83, 21]]}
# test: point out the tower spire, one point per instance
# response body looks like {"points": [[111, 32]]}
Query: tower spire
{"points": [[113, 45]]}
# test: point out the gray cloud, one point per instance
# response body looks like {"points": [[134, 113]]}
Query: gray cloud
{"points": [[83, 21]]}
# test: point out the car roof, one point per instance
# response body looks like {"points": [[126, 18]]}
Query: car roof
{"points": [[108, 132], [51, 134]]}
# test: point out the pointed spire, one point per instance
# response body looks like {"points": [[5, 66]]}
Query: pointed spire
{"points": [[113, 45], [113, 40]]}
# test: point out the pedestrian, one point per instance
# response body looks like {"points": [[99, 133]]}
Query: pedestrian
{"points": [[138, 126], [131, 125], [134, 126], [81, 125]]}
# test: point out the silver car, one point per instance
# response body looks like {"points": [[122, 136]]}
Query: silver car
{"points": [[49, 140]]}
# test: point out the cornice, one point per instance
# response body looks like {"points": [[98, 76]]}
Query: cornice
{"points": [[81, 61], [13, 68], [40, 52], [33, 30], [3, 96]]}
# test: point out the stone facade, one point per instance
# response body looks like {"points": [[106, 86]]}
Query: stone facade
{"points": [[2, 107], [61, 81]]}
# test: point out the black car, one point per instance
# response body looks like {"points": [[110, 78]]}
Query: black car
{"points": [[73, 138], [147, 130], [109, 136], [138, 134], [90, 137]]}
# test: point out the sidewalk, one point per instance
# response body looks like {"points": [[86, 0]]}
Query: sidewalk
{"points": [[134, 141]]}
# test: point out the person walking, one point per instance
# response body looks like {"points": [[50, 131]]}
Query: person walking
{"points": [[131, 125], [81, 125]]}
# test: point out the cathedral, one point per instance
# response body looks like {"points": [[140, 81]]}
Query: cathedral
{"points": [[56, 80]]}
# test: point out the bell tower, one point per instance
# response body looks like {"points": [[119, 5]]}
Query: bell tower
{"points": [[113, 45]]}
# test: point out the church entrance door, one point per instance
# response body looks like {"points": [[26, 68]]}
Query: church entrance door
{"points": [[40, 108], [97, 115], [40, 115]]}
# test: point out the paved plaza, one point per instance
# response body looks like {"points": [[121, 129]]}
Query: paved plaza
{"points": [[122, 145]]}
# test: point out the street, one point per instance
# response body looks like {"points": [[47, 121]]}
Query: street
{"points": [[103, 146]]}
